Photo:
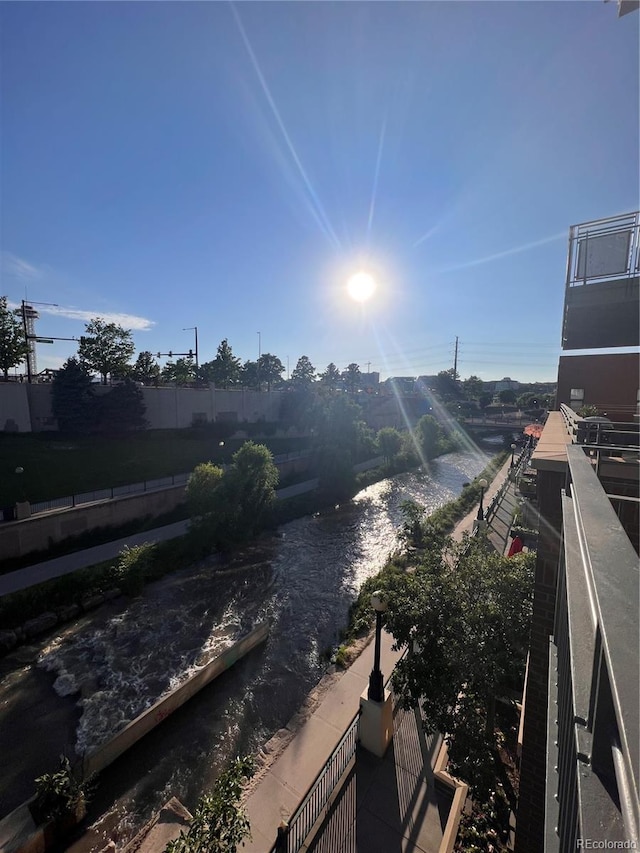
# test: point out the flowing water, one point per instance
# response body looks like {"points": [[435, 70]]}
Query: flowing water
{"points": [[302, 579]]}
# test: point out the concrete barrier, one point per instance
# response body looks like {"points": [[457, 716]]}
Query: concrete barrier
{"points": [[96, 761]]}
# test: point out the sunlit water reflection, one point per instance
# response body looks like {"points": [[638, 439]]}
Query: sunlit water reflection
{"points": [[301, 579]]}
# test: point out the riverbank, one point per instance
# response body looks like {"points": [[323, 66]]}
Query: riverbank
{"points": [[44, 596], [302, 580]]}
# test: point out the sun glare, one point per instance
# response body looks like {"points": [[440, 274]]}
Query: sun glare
{"points": [[361, 286]]}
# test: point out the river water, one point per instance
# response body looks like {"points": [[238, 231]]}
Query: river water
{"points": [[302, 579]]}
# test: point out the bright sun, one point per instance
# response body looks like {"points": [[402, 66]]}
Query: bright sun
{"points": [[361, 286]]}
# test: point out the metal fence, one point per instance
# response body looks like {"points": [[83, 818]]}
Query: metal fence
{"points": [[317, 800], [593, 763], [109, 494]]}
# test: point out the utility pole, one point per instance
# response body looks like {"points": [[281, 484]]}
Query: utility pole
{"points": [[455, 360], [259, 357], [368, 367]]}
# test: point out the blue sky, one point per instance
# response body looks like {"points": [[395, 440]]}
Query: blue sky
{"points": [[229, 166]]}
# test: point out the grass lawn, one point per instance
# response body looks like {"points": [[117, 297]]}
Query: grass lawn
{"points": [[56, 466]]}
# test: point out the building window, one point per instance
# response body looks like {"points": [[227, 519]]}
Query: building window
{"points": [[577, 398]]}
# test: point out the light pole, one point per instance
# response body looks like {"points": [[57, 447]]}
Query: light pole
{"points": [[376, 688], [483, 485], [513, 450]]}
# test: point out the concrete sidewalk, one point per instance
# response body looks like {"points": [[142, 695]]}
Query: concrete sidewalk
{"points": [[286, 781], [50, 569]]}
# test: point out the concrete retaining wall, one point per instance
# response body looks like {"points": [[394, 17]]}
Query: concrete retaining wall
{"points": [[149, 719], [39, 532]]}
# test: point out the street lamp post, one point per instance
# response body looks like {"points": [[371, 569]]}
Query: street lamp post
{"points": [[376, 686], [483, 485], [513, 450]]}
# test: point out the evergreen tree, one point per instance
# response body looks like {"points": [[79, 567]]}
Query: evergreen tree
{"points": [[331, 378], [303, 374], [72, 399], [122, 409], [146, 369]]}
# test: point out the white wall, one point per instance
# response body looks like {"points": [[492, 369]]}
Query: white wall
{"points": [[170, 407]]}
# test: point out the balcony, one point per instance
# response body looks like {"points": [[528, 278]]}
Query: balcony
{"points": [[593, 727], [601, 293]]}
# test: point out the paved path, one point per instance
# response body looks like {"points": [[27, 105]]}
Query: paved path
{"points": [[403, 777], [50, 569]]}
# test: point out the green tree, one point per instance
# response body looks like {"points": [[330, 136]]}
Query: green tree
{"points": [[390, 443], [13, 344], [507, 396], [122, 409], [224, 370], [485, 400], [105, 348], [473, 387], [303, 374], [470, 622], [270, 370], [428, 435], [219, 824], [331, 378], [202, 486], [249, 374], [250, 487], [182, 371], [335, 473], [353, 377], [447, 385], [146, 369], [72, 399]]}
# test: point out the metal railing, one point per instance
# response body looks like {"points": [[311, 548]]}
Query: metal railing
{"points": [[604, 249], [109, 494], [112, 492], [317, 800], [593, 762]]}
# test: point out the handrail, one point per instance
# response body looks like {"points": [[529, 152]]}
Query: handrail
{"points": [[292, 836], [291, 839]]}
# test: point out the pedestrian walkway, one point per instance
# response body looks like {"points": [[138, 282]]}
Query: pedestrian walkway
{"points": [[56, 568], [385, 805]]}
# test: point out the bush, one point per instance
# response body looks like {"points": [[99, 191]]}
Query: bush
{"points": [[57, 794]]}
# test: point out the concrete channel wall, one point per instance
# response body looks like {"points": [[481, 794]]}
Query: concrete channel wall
{"points": [[96, 761]]}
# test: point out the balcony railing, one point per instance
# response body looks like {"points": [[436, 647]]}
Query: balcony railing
{"points": [[593, 767], [604, 249]]}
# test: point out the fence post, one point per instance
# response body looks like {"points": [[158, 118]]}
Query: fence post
{"points": [[282, 841]]}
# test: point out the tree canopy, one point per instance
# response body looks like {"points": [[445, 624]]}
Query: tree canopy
{"points": [[231, 507], [105, 348], [390, 442], [331, 377], [225, 369], [181, 371], [303, 374], [270, 369], [146, 369], [14, 348], [72, 399], [466, 622], [353, 377]]}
